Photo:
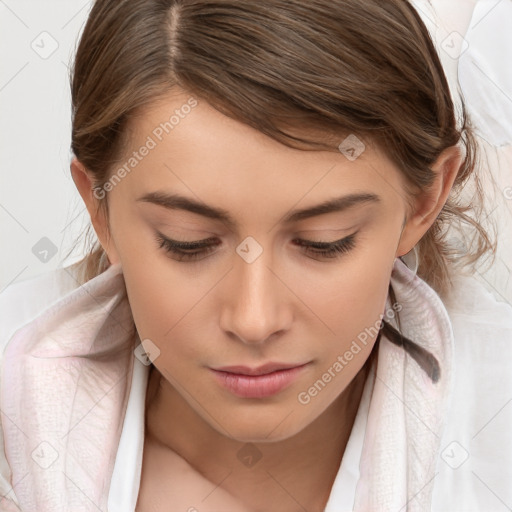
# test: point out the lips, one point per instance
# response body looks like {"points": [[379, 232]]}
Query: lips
{"points": [[260, 370], [260, 382]]}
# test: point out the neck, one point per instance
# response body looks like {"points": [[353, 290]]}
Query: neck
{"points": [[283, 474]]}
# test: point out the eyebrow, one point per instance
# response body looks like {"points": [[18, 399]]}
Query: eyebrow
{"points": [[179, 202]]}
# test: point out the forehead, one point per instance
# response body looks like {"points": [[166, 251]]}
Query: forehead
{"points": [[190, 146]]}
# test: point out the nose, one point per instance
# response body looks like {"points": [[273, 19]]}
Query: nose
{"points": [[256, 307]]}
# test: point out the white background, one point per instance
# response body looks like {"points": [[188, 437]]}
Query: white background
{"points": [[37, 195]]}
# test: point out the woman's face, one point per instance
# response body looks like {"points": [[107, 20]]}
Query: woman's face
{"points": [[254, 296]]}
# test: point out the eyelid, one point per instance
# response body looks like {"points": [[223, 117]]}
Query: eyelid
{"points": [[322, 243], [209, 241], [200, 249], [312, 232], [192, 243]]}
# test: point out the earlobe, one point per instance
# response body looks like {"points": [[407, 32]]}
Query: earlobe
{"points": [[429, 204]]}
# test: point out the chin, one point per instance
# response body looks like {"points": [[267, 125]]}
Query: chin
{"points": [[259, 428]]}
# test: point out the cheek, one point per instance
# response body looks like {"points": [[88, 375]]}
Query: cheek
{"points": [[369, 293], [350, 295], [157, 300], [351, 300], [352, 307], [351, 304]]}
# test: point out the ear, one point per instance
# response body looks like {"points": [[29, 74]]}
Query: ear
{"points": [[84, 183], [428, 206]]}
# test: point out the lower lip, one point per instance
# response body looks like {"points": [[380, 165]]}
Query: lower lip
{"points": [[258, 386]]}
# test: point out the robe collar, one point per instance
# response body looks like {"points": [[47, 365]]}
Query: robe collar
{"points": [[66, 380]]}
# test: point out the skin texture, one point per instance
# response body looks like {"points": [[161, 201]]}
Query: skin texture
{"points": [[288, 305]]}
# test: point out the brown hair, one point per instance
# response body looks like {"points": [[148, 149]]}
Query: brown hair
{"points": [[339, 67]]}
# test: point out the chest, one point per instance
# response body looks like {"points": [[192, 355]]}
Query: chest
{"points": [[168, 483]]}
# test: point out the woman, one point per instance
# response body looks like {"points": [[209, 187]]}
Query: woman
{"points": [[246, 336]]}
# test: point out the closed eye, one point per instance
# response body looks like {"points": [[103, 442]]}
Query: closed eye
{"points": [[199, 249], [328, 249]]}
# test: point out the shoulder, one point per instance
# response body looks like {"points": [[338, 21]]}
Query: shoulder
{"points": [[475, 452], [20, 303], [480, 318], [482, 330]]}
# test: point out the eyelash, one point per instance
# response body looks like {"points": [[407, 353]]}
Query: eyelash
{"points": [[180, 250]]}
